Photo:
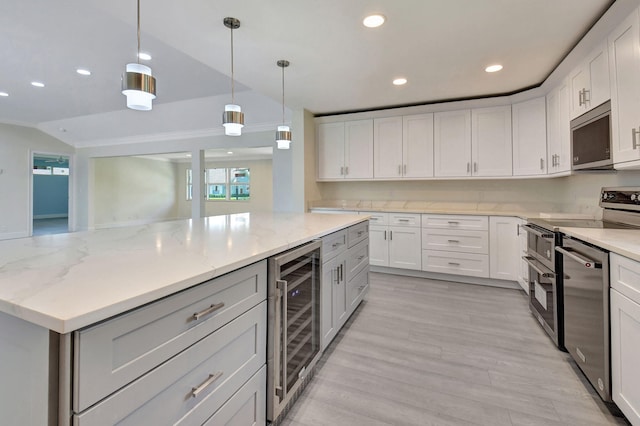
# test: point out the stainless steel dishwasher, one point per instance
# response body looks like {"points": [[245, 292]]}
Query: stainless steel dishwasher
{"points": [[586, 311]]}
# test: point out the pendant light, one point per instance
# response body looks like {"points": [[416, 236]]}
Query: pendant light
{"points": [[283, 134], [233, 117], [138, 83]]}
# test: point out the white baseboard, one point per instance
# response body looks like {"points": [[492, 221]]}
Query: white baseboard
{"points": [[447, 277], [13, 235]]}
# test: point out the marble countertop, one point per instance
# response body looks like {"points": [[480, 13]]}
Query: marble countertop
{"points": [[65, 282], [625, 242]]}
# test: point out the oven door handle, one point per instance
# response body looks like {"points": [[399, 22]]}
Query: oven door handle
{"points": [[534, 231], [530, 260], [584, 261]]}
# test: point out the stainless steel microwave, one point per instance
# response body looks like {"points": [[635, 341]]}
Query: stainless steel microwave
{"points": [[591, 139]]}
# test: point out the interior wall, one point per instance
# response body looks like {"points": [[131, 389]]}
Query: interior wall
{"points": [[577, 193], [133, 190], [261, 189], [16, 145]]}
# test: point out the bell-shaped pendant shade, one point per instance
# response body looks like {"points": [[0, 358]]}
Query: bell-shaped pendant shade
{"points": [[232, 120], [139, 86]]}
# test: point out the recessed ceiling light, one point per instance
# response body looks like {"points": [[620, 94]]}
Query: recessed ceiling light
{"points": [[373, 21], [37, 84], [83, 71], [144, 56], [4, 94], [493, 68], [229, 152], [400, 81]]}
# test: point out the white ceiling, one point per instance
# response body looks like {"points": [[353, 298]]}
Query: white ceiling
{"points": [[440, 46]]}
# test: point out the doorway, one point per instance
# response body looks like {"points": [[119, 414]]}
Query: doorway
{"points": [[50, 174]]}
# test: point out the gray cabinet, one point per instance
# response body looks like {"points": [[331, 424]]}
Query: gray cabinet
{"points": [[177, 360]]}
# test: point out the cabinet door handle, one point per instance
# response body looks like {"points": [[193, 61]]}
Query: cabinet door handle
{"points": [[404, 169], [468, 167], [475, 167], [541, 164], [634, 136], [390, 235], [342, 171], [580, 101], [212, 378], [399, 170], [211, 309], [346, 170], [586, 98], [385, 235]]}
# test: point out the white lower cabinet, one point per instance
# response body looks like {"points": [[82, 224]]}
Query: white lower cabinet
{"points": [[455, 244], [395, 240], [345, 278], [504, 252], [625, 335]]}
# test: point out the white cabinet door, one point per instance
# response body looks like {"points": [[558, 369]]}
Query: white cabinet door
{"points": [[358, 154], [405, 247], [452, 143], [387, 147], [589, 82], [328, 287], [340, 302], [558, 130], [625, 353], [417, 146], [491, 141], [624, 53], [378, 245], [504, 248], [529, 138], [330, 150]]}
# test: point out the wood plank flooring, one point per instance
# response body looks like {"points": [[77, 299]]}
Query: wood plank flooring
{"points": [[427, 352]]}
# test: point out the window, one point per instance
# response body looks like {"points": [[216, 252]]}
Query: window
{"points": [[223, 184]]}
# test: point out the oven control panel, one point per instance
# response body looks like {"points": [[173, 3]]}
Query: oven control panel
{"points": [[625, 198]]}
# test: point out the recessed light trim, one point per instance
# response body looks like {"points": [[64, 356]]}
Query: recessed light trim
{"points": [[373, 21], [83, 71], [144, 56], [493, 68], [229, 152], [4, 94], [37, 84], [399, 81]]}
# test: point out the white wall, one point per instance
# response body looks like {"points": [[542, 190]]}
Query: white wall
{"points": [[133, 190], [261, 189], [16, 145]]}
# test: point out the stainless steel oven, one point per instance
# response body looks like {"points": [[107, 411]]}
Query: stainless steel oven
{"points": [[293, 341], [545, 280]]}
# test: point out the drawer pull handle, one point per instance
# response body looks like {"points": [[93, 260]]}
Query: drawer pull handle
{"points": [[403, 220], [454, 264], [453, 222], [212, 378], [360, 257], [360, 233], [334, 245], [453, 241], [211, 309]]}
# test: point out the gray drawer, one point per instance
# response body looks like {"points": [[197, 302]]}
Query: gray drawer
{"points": [[357, 258], [247, 406], [190, 387], [334, 244], [357, 233], [357, 288], [111, 354], [476, 265]]}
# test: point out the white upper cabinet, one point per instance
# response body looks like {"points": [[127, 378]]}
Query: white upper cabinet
{"points": [[491, 141], [589, 82], [452, 143], [624, 54], [345, 150], [558, 130], [529, 138], [417, 146], [387, 147]]}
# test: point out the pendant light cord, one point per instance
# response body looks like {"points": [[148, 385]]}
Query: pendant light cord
{"points": [[232, 76], [138, 56], [283, 95]]}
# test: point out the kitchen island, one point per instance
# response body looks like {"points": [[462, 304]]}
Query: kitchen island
{"points": [[54, 287]]}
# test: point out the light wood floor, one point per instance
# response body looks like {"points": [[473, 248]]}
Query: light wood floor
{"points": [[426, 352]]}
